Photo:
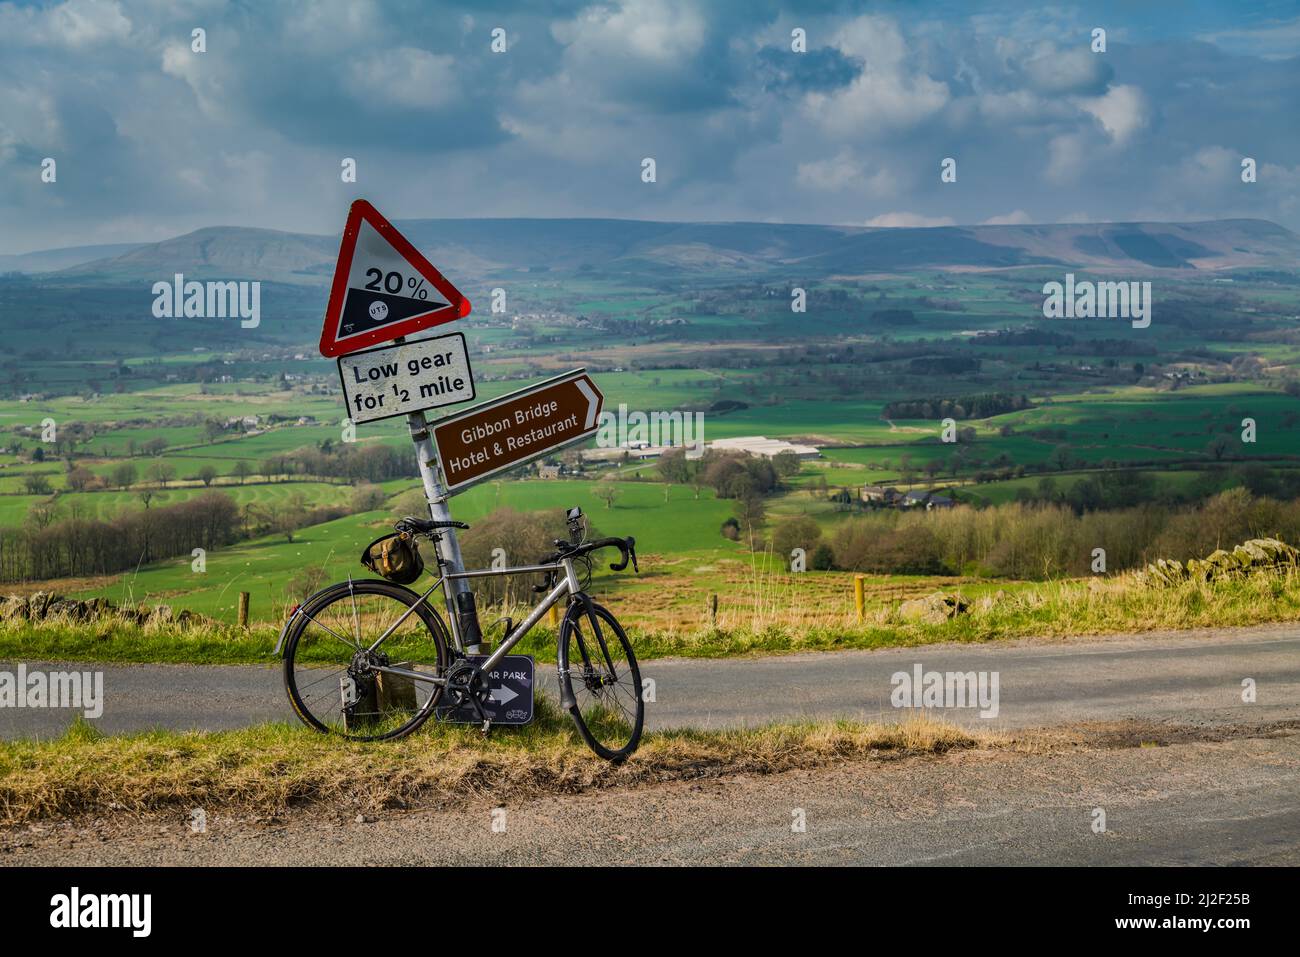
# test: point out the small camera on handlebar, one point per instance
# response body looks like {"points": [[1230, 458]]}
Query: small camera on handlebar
{"points": [[576, 524]]}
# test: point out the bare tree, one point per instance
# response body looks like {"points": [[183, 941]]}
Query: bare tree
{"points": [[607, 492]]}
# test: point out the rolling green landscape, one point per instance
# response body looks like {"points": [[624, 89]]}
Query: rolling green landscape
{"points": [[933, 371]]}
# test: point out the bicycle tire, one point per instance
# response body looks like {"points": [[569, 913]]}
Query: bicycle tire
{"points": [[312, 609], [592, 675]]}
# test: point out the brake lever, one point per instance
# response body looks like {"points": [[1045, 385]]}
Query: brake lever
{"points": [[628, 550]]}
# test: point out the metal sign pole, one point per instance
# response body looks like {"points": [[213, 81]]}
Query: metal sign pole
{"points": [[462, 598]]}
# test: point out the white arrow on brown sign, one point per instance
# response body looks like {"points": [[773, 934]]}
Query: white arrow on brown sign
{"points": [[516, 428]]}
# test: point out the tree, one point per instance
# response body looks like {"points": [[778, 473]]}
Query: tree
{"points": [[162, 473], [786, 464], [1218, 447], [79, 479], [1062, 455], [123, 475], [606, 492], [799, 531], [241, 470], [37, 484], [367, 498], [752, 512], [206, 474], [43, 514], [673, 467], [523, 537]]}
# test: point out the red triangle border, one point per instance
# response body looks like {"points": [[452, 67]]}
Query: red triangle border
{"points": [[458, 308]]}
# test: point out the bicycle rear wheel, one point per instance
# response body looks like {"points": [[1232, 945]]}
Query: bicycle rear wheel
{"points": [[599, 675], [330, 674]]}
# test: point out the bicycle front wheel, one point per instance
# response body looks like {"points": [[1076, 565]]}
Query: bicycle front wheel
{"points": [[599, 675], [332, 676]]}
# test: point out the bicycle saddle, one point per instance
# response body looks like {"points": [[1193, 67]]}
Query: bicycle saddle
{"points": [[426, 525]]}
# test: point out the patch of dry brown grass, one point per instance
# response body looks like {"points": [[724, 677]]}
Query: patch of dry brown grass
{"points": [[275, 767]]}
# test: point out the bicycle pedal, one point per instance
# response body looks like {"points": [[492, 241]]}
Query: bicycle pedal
{"points": [[487, 726]]}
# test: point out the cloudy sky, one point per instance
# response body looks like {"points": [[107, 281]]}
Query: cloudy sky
{"points": [[152, 139]]}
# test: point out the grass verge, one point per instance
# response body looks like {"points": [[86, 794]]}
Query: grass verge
{"points": [[275, 767], [782, 622]]}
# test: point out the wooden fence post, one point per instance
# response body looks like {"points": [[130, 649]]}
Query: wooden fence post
{"points": [[713, 610], [859, 597], [243, 609]]}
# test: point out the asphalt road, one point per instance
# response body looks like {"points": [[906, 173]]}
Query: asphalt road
{"points": [[1224, 789], [1186, 677], [1227, 802]]}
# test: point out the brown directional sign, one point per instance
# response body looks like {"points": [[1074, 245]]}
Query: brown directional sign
{"points": [[516, 428]]}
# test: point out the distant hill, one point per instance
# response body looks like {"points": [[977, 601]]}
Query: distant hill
{"points": [[226, 251], [52, 260], [494, 248]]}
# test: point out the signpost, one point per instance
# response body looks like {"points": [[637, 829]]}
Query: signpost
{"points": [[516, 428], [409, 377], [383, 288]]}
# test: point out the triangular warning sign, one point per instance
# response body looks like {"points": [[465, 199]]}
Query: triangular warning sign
{"points": [[383, 288]]}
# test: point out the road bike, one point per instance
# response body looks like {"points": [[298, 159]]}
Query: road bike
{"points": [[372, 660]]}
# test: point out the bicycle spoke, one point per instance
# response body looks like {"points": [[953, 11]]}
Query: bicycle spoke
{"points": [[330, 630], [337, 686]]}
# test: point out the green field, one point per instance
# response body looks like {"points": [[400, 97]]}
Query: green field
{"points": [[1169, 401], [682, 525]]}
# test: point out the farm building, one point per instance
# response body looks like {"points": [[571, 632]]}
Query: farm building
{"points": [[768, 448], [881, 494]]}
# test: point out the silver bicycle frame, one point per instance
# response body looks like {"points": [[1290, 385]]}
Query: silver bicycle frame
{"points": [[568, 585]]}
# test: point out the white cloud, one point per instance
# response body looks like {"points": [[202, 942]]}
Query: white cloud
{"points": [[1077, 70], [845, 172], [652, 30], [346, 26], [1066, 155], [1279, 40], [405, 76], [76, 24], [909, 219], [83, 22], [1121, 111], [202, 73], [1017, 217], [1207, 168], [888, 93]]}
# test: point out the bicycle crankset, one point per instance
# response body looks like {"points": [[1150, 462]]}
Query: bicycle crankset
{"points": [[467, 684]]}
